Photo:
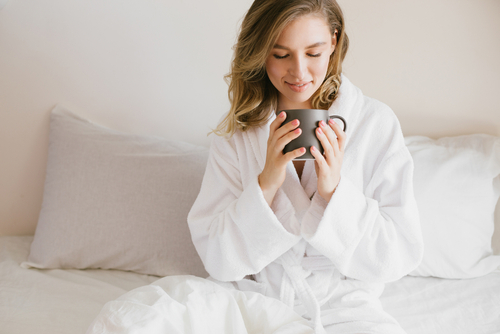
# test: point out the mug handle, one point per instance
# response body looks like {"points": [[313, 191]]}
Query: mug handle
{"points": [[342, 119]]}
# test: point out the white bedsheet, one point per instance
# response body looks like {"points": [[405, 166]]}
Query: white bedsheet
{"points": [[434, 305], [67, 301], [54, 301]]}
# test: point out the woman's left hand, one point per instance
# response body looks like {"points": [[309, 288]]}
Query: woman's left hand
{"points": [[328, 165]]}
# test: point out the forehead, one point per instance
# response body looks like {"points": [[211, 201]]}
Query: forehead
{"points": [[305, 30]]}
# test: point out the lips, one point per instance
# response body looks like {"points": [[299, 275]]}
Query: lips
{"points": [[299, 87]]}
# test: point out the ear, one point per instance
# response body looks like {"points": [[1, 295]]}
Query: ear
{"points": [[334, 41]]}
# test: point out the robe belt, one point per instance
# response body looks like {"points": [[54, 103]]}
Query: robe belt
{"points": [[294, 282], [316, 263]]}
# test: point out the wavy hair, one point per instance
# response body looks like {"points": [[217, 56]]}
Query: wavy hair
{"points": [[251, 94]]}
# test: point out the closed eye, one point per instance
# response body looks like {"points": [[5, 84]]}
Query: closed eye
{"points": [[286, 56]]}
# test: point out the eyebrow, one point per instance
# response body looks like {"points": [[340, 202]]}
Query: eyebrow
{"points": [[277, 46]]}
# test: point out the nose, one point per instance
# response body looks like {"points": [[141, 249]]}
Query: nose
{"points": [[298, 67]]}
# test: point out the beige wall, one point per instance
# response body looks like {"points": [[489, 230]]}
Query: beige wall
{"points": [[156, 67], [435, 62]]}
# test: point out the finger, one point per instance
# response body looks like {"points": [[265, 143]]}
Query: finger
{"points": [[320, 159], [278, 129], [325, 142], [286, 128], [280, 118], [283, 141], [332, 137], [294, 154], [341, 136]]}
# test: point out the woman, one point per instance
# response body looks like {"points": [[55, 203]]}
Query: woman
{"points": [[321, 236]]}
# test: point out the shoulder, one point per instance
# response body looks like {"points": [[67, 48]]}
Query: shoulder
{"points": [[361, 111], [379, 114], [224, 144], [241, 143], [372, 124]]}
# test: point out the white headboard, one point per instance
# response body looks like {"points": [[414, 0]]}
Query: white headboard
{"points": [[157, 66]]}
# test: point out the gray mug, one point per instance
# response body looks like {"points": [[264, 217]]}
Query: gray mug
{"points": [[309, 120]]}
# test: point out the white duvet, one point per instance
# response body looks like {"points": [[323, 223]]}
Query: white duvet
{"points": [[192, 305], [189, 305]]}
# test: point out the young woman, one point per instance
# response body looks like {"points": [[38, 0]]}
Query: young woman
{"points": [[321, 235]]}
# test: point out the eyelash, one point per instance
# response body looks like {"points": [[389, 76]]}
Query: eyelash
{"points": [[310, 55]]}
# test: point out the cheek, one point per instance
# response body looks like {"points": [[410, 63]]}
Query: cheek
{"points": [[274, 71], [321, 67]]}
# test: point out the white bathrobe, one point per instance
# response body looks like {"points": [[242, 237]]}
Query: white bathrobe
{"points": [[327, 260]]}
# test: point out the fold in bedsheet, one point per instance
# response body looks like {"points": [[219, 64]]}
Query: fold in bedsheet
{"points": [[67, 301]]}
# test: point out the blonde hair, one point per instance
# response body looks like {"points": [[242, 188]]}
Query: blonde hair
{"points": [[251, 94]]}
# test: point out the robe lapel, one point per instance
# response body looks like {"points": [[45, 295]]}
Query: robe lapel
{"points": [[309, 178], [295, 191]]}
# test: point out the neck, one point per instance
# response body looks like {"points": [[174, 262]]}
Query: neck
{"points": [[287, 105]]}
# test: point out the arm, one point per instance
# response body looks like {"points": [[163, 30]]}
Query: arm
{"points": [[233, 228], [370, 234]]}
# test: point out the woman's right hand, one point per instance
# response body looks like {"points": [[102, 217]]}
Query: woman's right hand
{"points": [[274, 172]]}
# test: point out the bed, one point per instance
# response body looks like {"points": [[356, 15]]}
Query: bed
{"points": [[113, 224], [102, 159], [67, 301]]}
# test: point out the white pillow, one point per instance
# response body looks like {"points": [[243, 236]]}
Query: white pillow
{"points": [[457, 186], [117, 201]]}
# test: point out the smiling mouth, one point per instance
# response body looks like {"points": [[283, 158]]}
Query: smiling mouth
{"points": [[298, 88]]}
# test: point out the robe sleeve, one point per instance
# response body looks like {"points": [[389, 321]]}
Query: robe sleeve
{"points": [[370, 234], [233, 229]]}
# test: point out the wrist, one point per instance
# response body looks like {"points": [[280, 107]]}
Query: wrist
{"points": [[268, 191], [328, 196]]}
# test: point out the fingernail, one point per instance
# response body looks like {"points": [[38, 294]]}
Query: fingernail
{"points": [[302, 150], [297, 130], [332, 121], [321, 123], [282, 114], [313, 148], [320, 131], [295, 122]]}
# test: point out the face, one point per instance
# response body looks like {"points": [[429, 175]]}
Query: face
{"points": [[298, 63]]}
